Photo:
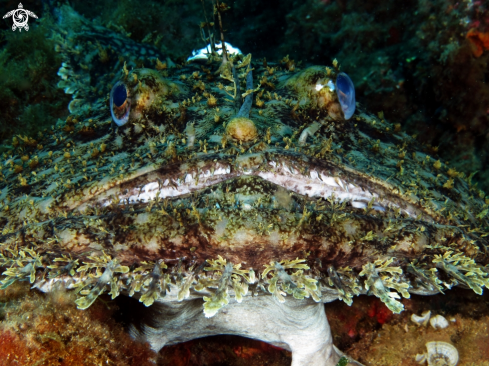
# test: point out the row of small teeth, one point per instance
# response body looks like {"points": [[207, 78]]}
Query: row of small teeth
{"points": [[172, 188], [341, 189], [328, 185]]}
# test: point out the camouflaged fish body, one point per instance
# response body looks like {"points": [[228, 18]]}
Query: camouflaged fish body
{"points": [[294, 201]]}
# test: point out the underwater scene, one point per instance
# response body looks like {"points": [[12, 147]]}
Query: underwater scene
{"points": [[244, 183]]}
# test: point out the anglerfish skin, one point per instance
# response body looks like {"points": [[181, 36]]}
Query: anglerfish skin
{"points": [[243, 230]]}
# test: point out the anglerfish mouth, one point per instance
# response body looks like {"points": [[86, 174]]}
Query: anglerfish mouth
{"points": [[259, 208], [292, 173]]}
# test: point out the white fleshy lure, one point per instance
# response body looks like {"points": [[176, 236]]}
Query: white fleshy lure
{"points": [[203, 53]]}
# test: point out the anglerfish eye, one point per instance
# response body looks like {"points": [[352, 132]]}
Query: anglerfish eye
{"points": [[345, 90], [120, 104]]}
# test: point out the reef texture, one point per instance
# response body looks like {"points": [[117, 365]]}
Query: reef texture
{"points": [[28, 92], [396, 340], [36, 329], [367, 330]]}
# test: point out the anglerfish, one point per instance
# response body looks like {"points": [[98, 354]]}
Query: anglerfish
{"points": [[230, 197]]}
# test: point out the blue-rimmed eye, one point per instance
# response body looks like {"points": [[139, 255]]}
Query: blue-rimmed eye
{"points": [[120, 104], [345, 90]]}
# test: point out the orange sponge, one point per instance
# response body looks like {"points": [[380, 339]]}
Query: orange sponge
{"points": [[479, 41]]}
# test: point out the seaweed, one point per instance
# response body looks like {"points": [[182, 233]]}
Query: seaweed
{"points": [[297, 284], [463, 269], [229, 275], [378, 284]]}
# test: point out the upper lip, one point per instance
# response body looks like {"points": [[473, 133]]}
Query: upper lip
{"points": [[311, 179]]}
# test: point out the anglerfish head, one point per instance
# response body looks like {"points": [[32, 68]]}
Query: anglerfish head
{"points": [[187, 199], [178, 183]]}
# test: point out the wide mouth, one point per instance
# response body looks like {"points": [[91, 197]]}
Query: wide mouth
{"points": [[253, 210], [307, 179]]}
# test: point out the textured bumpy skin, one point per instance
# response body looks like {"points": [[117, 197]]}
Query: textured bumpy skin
{"points": [[293, 200]]}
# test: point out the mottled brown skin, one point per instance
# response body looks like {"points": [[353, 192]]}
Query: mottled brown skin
{"points": [[74, 202]]}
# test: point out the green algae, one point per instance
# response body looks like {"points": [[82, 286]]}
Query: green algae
{"points": [[343, 361], [29, 98]]}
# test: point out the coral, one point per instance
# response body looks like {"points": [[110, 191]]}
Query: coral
{"points": [[38, 329]]}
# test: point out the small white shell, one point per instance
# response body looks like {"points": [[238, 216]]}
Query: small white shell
{"points": [[420, 358], [441, 354], [421, 320], [439, 322]]}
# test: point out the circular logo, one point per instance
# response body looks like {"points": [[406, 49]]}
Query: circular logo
{"points": [[20, 18]]}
